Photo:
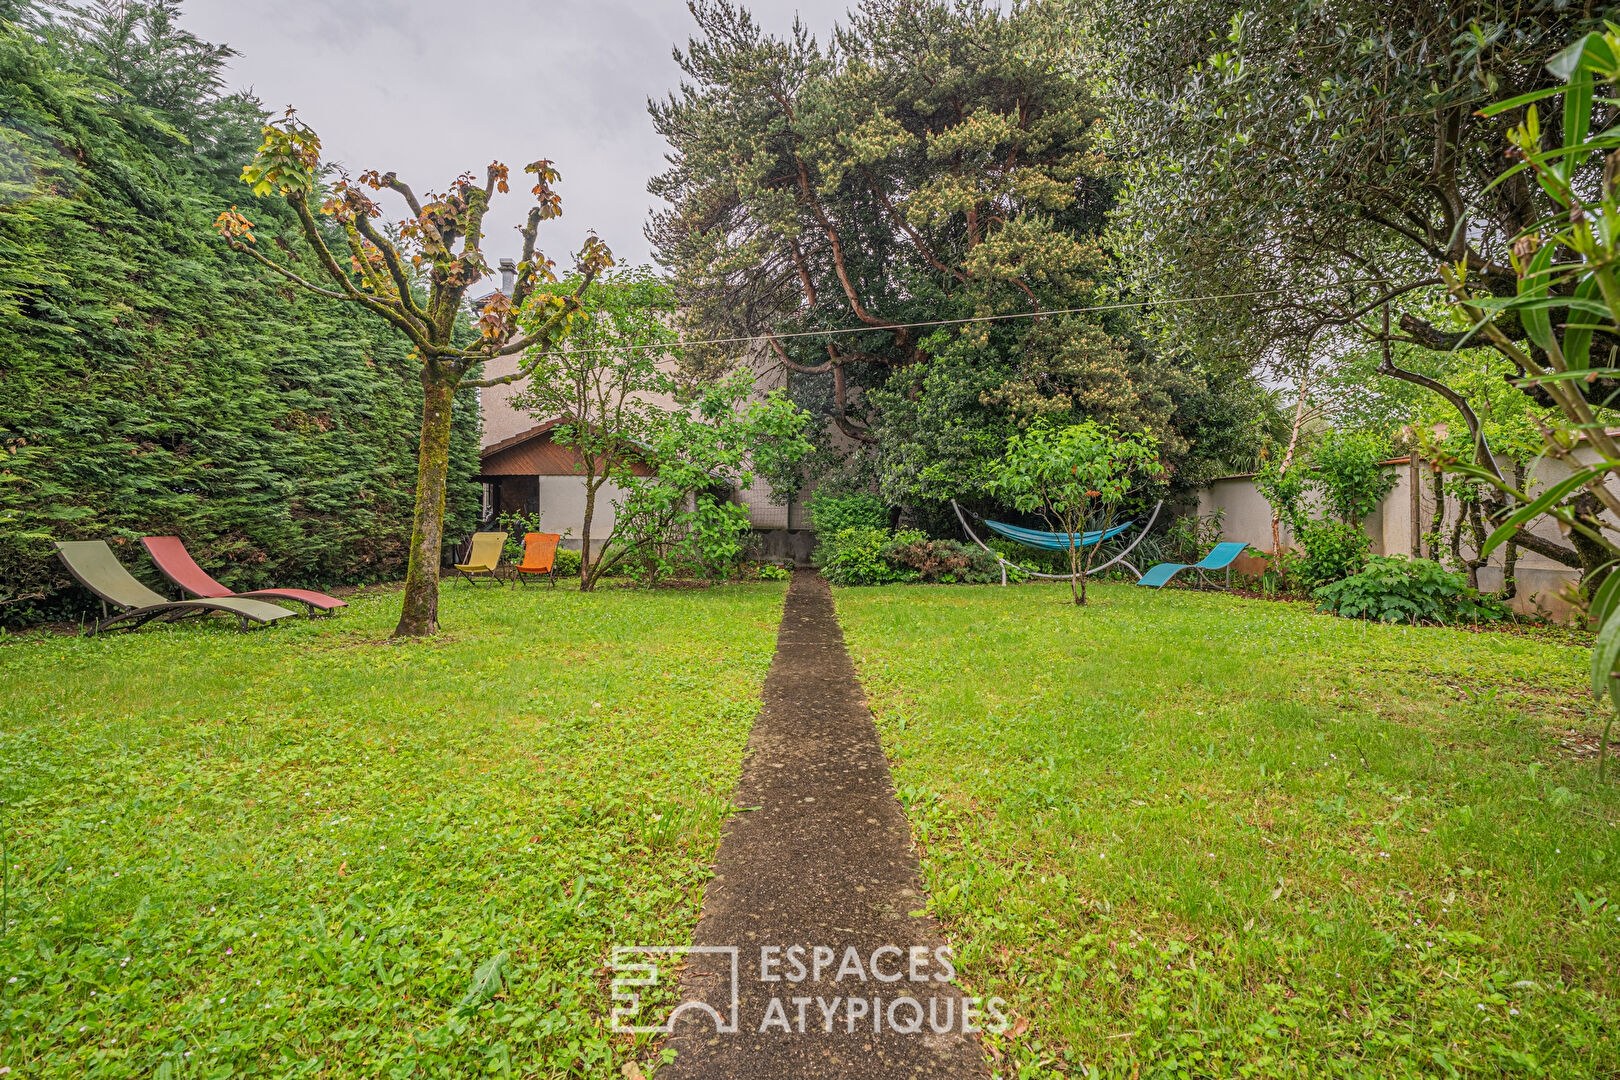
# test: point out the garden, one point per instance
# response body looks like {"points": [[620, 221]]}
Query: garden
{"points": [[307, 850], [1162, 574]]}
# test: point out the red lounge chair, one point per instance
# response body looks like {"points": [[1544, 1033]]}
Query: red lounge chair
{"points": [[179, 567]]}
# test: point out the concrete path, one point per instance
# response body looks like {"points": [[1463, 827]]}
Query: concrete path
{"points": [[815, 890]]}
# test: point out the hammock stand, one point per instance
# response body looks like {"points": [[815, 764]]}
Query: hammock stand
{"points": [[1050, 541]]}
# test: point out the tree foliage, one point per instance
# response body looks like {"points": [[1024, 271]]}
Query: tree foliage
{"points": [[147, 384], [614, 388], [1321, 163], [928, 163], [680, 517], [1074, 476], [606, 386]]}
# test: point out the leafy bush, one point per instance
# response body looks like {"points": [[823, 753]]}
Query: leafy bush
{"points": [[1333, 550], [862, 555], [516, 524], [567, 563], [773, 572], [1394, 588], [944, 561], [855, 556], [832, 514], [1190, 538], [1350, 479]]}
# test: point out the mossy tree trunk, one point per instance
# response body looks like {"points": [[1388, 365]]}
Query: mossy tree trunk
{"points": [[419, 617]]}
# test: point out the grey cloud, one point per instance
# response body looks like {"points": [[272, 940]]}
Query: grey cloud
{"points": [[430, 89]]}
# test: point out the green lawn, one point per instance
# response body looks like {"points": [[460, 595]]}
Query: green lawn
{"points": [[289, 852], [1194, 835]]}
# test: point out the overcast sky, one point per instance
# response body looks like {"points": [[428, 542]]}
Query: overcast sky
{"points": [[430, 89]]}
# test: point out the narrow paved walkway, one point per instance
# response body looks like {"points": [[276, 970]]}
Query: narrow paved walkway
{"points": [[816, 889]]}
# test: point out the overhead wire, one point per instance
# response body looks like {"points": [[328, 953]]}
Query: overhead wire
{"points": [[932, 323]]}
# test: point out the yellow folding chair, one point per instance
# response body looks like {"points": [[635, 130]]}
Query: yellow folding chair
{"points": [[484, 557]]}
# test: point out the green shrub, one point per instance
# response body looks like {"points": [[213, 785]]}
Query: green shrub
{"points": [[773, 572], [567, 563], [946, 562], [1188, 539], [855, 556], [1393, 588], [1333, 550], [832, 514], [1349, 474]]}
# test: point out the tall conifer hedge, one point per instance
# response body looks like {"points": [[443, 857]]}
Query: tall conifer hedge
{"points": [[150, 383]]}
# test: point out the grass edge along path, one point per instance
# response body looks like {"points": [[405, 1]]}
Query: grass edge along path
{"points": [[308, 851], [1192, 835]]}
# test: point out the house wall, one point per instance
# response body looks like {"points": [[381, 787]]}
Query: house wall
{"points": [[562, 509], [501, 419], [1248, 516]]}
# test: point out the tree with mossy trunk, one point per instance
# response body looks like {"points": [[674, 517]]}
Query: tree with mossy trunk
{"points": [[415, 276]]}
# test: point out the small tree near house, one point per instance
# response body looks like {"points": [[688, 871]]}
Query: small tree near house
{"points": [[604, 383], [1072, 476], [680, 518], [415, 277]]}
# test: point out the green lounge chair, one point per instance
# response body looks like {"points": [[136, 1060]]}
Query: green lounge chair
{"points": [[1220, 559], [98, 569], [484, 557]]}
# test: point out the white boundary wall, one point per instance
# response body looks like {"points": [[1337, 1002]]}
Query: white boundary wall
{"points": [[1394, 531]]}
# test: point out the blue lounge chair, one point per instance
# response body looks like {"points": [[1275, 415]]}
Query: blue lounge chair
{"points": [[1219, 559]]}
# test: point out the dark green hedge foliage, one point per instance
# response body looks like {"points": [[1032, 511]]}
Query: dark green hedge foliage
{"points": [[832, 514], [153, 382]]}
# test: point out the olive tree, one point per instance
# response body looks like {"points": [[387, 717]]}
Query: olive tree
{"points": [[1307, 170]]}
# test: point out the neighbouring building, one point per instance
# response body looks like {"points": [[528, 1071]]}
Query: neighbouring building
{"points": [[522, 468]]}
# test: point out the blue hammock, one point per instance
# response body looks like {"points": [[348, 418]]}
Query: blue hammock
{"points": [[1051, 541]]}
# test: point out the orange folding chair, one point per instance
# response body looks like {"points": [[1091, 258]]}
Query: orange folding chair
{"points": [[539, 556]]}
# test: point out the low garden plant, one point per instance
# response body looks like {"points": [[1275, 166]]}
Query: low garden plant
{"points": [[1394, 588], [867, 555], [856, 556], [1329, 550]]}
